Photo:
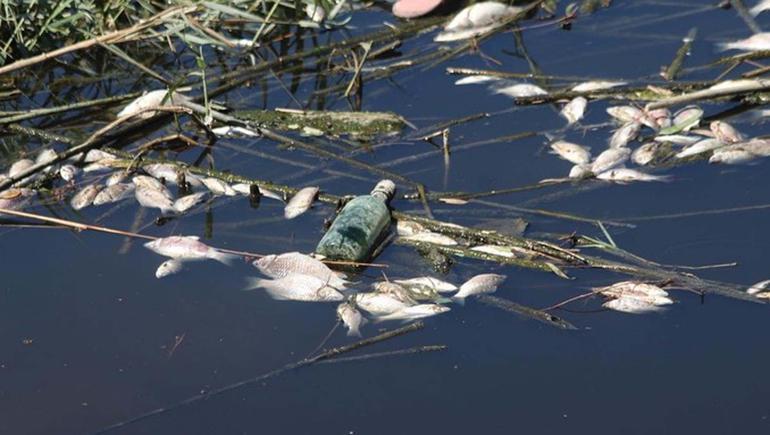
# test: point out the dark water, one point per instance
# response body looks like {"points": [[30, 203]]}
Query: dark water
{"points": [[85, 332]]}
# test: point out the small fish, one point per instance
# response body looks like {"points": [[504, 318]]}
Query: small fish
{"points": [[761, 6], [431, 237], [414, 312], [475, 79], [150, 183], [297, 287], [571, 152], [580, 171], [501, 251], [169, 267], [233, 131], [610, 158], [279, 266], [645, 153], [632, 306], [218, 187], [521, 90], [649, 293], [300, 202], [187, 202], [351, 318], [95, 155], [731, 156], [574, 110], [396, 290], [19, 166], [116, 178], [162, 171], [702, 146], [479, 284], [409, 228], [188, 248], [153, 198], [725, 132], [758, 287], [627, 175], [475, 20], [45, 157], [678, 139], [756, 146], [687, 118], [378, 304], [625, 114], [625, 134], [85, 196], [100, 166], [68, 172], [15, 198], [427, 281], [149, 100], [756, 42], [596, 86], [114, 193], [661, 118]]}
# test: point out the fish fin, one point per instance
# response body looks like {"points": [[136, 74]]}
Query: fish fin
{"points": [[458, 300], [277, 295], [724, 46], [354, 332], [224, 258], [253, 283]]}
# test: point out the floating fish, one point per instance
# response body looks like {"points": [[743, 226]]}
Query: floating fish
{"points": [[396, 290], [580, 171], [45, 157], [648, 293], [702, 146], [150, 183], [431, 237], [315, 12], [378, 304], [521, 90], [756, 42], [414, 312], [632, 306], [188, 248], [660, 118], [625, 114], [645, 153], [427, 281], [571, 152], [187, 202], [351, 318], [96, 155], [19, 166], [15, 198], [85, 196], [610, 158], [596, 86], [731, 156], [300, 202], [113, 193], [116, 178], [475, 79], [152, 99], [625, 134], [756, 146], [627, 175], [501, 251], [245, 189], [297, 287], [169, 267], [233, 131], [153, 198], [725, 132], [68, 172], [279, 266], [758, 287], [479, 284], [218, 187], [761, 6], [678, 139], [574, 110], [687, 118], [475, 20], [409, 228], [162, 171]]}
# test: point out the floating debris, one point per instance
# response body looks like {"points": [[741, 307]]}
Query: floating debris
{"points": [[479, 284], [475, 20], [297, 287], [571, 152], [574, 110], [300, 202], [169, 267], [188, 248], [351, 318]]}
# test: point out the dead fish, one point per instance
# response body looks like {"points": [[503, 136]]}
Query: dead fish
{"points": [[571, 152], [661, 118], [645, 153], [580, 171], [756, 42], [521, 90], [96, 155], [475, 20], [414, 312], [409, 228], [149, 183], [85, 196], [636, 290], [218, 187], [625, 134], [114, 193], [297, 287], [479, 284], [116, 178], [687, 118], [596, 85], [15, 198], [501, 251], [725, 132], [378, 304], [678, 139], [351, 318], [627, 175], [162, 171], [19, 166], [427, 281], [315, 12], [761, 6], [245, 189], [756, 146], [68, 172], [431, 237], [233, 131], [731, 156], [279, 266], [300, 202], [475, 79], [396, 290], [153, 198], [574, 110], [45, 157], [632, 306], [625, 114], [160, 97], [169, 267], [758, 287], [188, 248], [702, 146], [100, 166], [609, 159], [187, 202]]}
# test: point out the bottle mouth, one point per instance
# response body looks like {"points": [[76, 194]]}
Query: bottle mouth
{"points": [[386, 188]]}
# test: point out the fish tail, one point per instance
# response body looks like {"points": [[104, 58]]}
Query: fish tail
{"points": [[224, 258], [354, 332], [458, 300], [254, 283], [724, 46]]}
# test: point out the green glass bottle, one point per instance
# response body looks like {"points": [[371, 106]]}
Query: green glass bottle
{"points": [[359, 225]]}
